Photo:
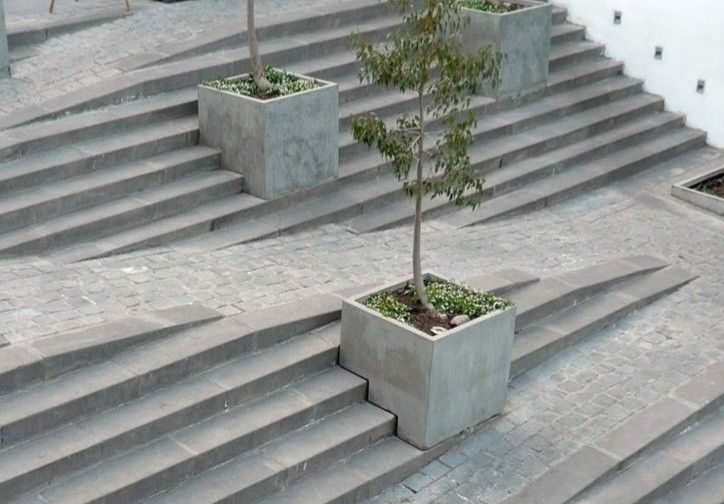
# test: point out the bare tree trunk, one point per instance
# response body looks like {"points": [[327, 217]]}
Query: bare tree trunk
{"points": [[417, 238], [257, 69]]}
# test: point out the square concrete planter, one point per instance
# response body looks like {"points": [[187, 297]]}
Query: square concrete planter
{"points": [[524, 39], [280, 145], [438, 386], [685, 191]]}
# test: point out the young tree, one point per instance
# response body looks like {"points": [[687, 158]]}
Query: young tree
{"points": [[257, 69], [426, 57]]}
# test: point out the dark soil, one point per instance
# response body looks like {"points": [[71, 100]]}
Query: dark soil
{"points": [[713, 186], [420, 318]]}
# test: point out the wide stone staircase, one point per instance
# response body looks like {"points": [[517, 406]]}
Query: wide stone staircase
{"points": [[120, 168], [184, 406]]}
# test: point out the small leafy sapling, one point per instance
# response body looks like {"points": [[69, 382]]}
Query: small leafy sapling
{"points": [[426, 57]]}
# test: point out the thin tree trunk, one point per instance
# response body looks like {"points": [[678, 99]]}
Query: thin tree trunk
{"points": [[417, 239], [257, 69]]}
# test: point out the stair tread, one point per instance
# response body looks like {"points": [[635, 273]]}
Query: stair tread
{"points": [[705, 489], [645, 476], [45, 160], [251, 471], [546, 337], [560, 183], [306, 399], [401, 212], [376, 465], [87, 182], [139, 200]]}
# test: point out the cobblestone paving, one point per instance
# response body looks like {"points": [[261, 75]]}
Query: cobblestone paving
{"points": [[568, 401], [75, 60]]}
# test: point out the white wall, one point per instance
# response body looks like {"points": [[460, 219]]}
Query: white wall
{"points": [[691, 33]]}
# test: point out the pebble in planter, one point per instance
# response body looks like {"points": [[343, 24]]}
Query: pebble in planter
{"points": [[281, 141], [438, 383], [521, 31]]}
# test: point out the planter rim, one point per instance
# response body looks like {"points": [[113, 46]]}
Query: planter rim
{"points": [[325, 85], [530, 4], [686, 184], [357, 299]]}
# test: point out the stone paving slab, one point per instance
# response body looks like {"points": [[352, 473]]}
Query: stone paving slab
{"points": [[72, 61], [566, 403]]}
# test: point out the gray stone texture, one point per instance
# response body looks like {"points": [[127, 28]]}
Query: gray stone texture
{"points": [[4, 55], [438, 386], [522, 37], [280, 145]]}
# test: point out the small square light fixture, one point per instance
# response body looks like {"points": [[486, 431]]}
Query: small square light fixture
{"points": [[617, 16], [700, 86], [659, 53]]}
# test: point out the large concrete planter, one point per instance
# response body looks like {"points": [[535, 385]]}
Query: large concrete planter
{"points": [[524, 39], [438, 386], [279, 145]]}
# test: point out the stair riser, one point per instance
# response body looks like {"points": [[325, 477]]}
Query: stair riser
{"points": [[512, 184], [99, 195], [347, 152], [99, 161], [92, 129], [568, 37], [585, 80], [525, 363], [559, 16], [685, 477], [556, 63], [400, 106], [227, 451], [287, 476], [336, 73], [198, 412], [622, 172], [126, 220]]}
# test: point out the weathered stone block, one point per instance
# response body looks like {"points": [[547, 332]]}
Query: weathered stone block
{"points": [[279, 145], [524, 39], [436, 385]]}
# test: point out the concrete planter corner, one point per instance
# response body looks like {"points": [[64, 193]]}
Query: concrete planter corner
{"points": [[279, 145], [438, 386], [524, 39]]}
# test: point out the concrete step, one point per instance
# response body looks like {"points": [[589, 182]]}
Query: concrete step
{"points": [[564, 55], [362, 476], [250, 477], [195, 413], [564, 328], [39, 408], [42, 359], [516, 174], [586, 177], [95, 154], [692, 453], [705, 489], [123, 213], [493, 125], [114, 119], [32, 206], [551, 295], [560, 14], [640, 435], [566, 33]]}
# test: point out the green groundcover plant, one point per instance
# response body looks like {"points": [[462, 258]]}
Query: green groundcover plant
{"points": [[488, 6], [281, 83]]}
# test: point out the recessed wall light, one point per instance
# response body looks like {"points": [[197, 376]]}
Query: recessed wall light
{"points": [[659, 52], [617, 16], [700, 86]]}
